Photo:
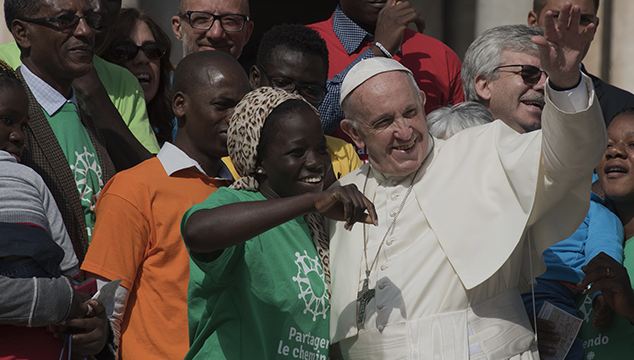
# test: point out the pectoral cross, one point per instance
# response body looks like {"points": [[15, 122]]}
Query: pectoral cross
{"points": [[365, 295]]}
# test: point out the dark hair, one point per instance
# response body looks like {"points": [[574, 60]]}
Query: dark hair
{"points": [[8, 76], [294, 37], [270, 127], [160, 107], [538, 5], [625, 111], [20, 9]]}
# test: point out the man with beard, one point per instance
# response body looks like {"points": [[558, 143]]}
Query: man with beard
{"points": [[213, 25], [502, 71]]}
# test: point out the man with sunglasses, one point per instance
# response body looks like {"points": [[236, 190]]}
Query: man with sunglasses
{"points": [[222, 25], [501, 70], [611, 98], [62, 143], [109, 93], [295, 58]]}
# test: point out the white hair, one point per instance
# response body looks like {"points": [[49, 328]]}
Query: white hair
{"points": [[485, 53], [447, 121]]}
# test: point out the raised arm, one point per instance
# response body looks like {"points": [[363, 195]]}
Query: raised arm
{"points": [[572, 120], [212, 230], [562, 47]]}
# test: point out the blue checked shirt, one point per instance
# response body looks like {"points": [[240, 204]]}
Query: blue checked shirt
{"points": [[351, 36]]}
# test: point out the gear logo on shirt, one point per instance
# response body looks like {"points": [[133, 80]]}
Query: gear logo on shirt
{"points": [[85, 168], [312, 285], [586, 308]]}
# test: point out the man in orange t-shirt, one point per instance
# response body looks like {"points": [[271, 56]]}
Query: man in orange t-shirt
{"points": [[137, 233]]}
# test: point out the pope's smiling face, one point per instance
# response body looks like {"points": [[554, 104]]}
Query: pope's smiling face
{"points": [[390, 122]]}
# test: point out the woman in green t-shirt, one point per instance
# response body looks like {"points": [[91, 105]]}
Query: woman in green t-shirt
{"points": [[259, 279]]}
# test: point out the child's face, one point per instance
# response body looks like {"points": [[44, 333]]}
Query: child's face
{"points": [[14, 110], [616, 169]]}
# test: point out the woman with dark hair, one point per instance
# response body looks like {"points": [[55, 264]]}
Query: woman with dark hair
{"points": [[138, 43]]}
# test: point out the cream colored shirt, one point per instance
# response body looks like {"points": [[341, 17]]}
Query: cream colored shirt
{"points": [[446, 278]]}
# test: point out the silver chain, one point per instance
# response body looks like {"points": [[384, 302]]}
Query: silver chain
{"points": [[366, 239]]}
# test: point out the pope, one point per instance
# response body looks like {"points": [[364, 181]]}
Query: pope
{"points": [[463, 222]]}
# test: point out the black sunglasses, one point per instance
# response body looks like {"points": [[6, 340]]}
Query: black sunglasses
{"points": [[127, 52], [529, 73], [68, 22]]}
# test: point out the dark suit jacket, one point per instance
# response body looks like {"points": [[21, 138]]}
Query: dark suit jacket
{"points": [[611, 98], [43, 154]]}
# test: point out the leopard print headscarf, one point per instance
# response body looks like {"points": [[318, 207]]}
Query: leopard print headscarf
{"points": [[245, 127], [243, 137]]}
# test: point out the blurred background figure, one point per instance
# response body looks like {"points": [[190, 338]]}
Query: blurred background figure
{"points": [[447, 121]]}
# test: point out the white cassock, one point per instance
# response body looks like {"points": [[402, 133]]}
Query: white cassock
{"points": [[448, 277]]}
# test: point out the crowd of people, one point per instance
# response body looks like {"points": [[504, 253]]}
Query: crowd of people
{"points": [[357, 193]]}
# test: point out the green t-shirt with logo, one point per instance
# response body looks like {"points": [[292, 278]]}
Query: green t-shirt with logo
{"points": [[617, 341], [263, 299], [82, 158]]}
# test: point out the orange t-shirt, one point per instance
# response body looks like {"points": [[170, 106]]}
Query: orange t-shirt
{"points": [[137, 239]]}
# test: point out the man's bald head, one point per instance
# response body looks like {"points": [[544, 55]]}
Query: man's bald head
{"points": [[207, 87], [196, 71], [184, 4]]}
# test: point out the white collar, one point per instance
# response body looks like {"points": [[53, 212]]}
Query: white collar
{"points": [[49, 98], [174, 159]]}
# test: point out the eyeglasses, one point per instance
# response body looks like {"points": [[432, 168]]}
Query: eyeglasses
{"points": [[202, 20], [314, 94], [127, 52], [529, 73], [68, 22]]}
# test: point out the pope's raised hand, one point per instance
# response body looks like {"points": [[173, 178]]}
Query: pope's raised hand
{"points": [[563, 46]]}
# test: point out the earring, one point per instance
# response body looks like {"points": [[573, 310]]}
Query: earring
{"points": [[260, 171]]}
